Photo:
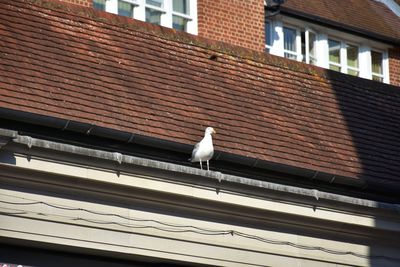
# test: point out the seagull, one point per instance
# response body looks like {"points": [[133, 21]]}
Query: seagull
{"points": [[204, 150]]}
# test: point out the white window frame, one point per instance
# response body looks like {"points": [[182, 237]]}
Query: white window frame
{"points": [[307, 55], [344, 67], [270, 38], [165, 19], [383, 64], [296, 53], [341, 55], [347, 67], [133, 2], [167, 12], [188, 17]]}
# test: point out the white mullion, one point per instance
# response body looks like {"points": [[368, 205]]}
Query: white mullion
{"points": [[134, 2], [188, 17], [162, 10], [192, 24], [343, 57], [365, 61], [140, 10], [385, 67], [335, 64], [307, 48], [166, 17], [322, 51], [112, 6], [294, 53], [299, 56]]}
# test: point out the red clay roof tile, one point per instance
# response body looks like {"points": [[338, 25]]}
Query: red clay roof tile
{"points": [[102, 69]]}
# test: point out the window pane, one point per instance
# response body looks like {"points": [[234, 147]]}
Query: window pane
{"points": [[377, 59], [125, 9], [352, 72], [377, 78], [99, 4], [303, 46], [181, 6], [179, 23], [352, 56], [153, 16], [290, 56], [334, 51], [310, 49], [157, 3], [334, 67], [289, 39], [312, 39], [268, 36]]}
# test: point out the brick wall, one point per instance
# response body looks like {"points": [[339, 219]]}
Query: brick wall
{"points": [[233, 21], [394, 66], [79, 2]]}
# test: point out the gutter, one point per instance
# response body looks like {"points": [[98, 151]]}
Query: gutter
{"points": [[239, 183], [132, 138]]}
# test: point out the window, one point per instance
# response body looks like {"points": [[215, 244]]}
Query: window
{"points": [[289, 41], [154, 10], [343, 57], [178, 14], [327, 48], [352, 60], [335, 62], [377, 66], [125, 8], [268, 36], [308, 47], [99, 4]]}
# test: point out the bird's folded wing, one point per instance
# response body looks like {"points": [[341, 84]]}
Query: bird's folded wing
{"points": [[195, 149]]}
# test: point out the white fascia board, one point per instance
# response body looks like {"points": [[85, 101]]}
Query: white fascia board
{"points": [[174, 169], [392, 5]]}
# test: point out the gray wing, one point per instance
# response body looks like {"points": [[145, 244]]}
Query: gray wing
{"points": [[195, 149]]}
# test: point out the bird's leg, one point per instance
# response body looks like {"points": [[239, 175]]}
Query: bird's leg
{"points": [[201, 164], [208, 166]]}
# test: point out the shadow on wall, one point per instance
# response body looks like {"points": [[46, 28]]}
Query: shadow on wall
{"points": [[7, 157], [371, 114]]}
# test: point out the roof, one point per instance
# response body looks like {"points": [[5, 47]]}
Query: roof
{"points": [[366, 17], [92, 67]]}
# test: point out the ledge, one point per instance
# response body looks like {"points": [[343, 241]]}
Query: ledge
{"points": [[218, 177]]}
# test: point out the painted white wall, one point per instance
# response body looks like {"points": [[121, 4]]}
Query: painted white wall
{"points": [[365, 59], [322, 50]]}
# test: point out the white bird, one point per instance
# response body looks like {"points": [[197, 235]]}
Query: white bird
{"points": [[204, 150]]}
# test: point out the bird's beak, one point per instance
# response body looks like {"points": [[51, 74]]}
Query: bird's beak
{"points": [[214, 132]]}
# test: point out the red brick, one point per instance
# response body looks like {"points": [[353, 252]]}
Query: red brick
{"points": [[394, 66], [233, 21]]}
